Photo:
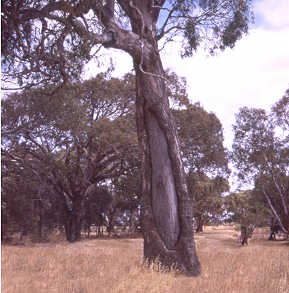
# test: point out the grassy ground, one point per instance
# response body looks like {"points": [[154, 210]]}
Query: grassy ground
{"points": [[115, 266]]}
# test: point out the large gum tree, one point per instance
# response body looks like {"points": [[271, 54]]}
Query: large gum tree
{"points": [[50, 41]]}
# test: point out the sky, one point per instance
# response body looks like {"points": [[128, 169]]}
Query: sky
{"points": [[255, 73]]}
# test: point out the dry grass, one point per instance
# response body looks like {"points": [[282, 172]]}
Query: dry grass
{"points": [[115, 266]]}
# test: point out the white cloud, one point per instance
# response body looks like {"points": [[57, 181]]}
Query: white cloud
{"points": [[255, 74], [272, 14], [121, 61]]}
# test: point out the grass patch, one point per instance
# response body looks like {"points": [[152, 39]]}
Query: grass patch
{"points": [[116, 266]]}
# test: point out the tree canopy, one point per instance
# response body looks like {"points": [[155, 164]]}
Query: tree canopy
{"points": [[63, 140], [201, 139], [261, 152], [50, 41], [72, 142], [246, 208]]}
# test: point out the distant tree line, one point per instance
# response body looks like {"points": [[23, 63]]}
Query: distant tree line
{"points": [[70, 161]]}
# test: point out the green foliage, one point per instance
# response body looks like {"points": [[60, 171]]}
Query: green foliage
{"points": [[201, 140], [234, 30], [253, 142], [70, 142], [49, 42], [208, 197], [26, 206], [245, 208], [97, 202], [86, 134], [193, 38], [261, 154], [212, 24], [280, 113]]}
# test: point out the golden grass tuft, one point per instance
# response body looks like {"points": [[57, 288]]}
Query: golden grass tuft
{"points": [[93, 266]]}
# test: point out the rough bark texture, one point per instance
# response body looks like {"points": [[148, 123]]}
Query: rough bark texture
{"points": [[165, 209], [167, 216]]}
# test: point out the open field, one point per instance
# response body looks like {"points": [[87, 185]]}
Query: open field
{"points": [[93, 266]]}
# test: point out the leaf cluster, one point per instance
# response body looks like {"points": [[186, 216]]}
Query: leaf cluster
{"points": [[201, 140], [261, 155], [49, 42]]}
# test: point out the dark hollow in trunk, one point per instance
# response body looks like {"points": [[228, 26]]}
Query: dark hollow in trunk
{"points": [[165, 208], [167, 218]]}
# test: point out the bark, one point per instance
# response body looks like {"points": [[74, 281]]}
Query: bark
{"points": [[132, 221], [200, 224], [274, 229], [73, 222], [40, 221], [88, 231], [274, 211], [166, 209], [99, 226], [283, 200], [244, 235], [110, 224]]}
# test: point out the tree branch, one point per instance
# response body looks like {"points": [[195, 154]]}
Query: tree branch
{"points": [[273, 210], [277, 186]]}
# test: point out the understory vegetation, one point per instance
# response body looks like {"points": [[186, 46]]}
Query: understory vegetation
{"points": [[115, 265]]}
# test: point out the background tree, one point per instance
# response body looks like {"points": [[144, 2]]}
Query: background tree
{"points": [[70, 142], [208, 197], [260, 153], [16, 207], [280, 113], [127, 188], [265, 186], [92, 98], [205, 159], [245, 208], [96, 205], [201, 140], [27, 206]]}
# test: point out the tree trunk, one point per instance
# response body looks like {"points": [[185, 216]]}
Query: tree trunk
{"points": [[88, 231], [40, 221], [23, 231], [200, 224], [73, 222], [167, 217], [244, 235], [132, 221], [167, 210], [110, 224], [279, 218]]}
